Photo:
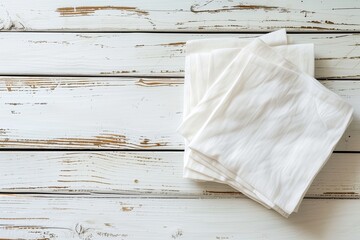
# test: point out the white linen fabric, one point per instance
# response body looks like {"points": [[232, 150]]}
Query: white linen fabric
{"points": [[202, 81], [194, 90], [256, 119]]}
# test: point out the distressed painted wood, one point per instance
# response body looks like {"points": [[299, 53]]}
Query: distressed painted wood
{"points": [[151, 174], [139, 54], [142, 195], [111, 113], [90, 113], [185, 15], [63, 217]]}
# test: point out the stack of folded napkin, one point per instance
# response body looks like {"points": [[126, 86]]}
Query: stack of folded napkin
{"points": [[255, 117]]}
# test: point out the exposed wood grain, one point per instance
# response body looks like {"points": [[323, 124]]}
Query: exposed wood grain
{"points": [[150, 174], [111, 113], [185, 15], [110, 54], [55, 217], [142, 195], [89, 113]]}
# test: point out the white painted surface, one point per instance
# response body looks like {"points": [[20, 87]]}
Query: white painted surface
{"points": [[147, 174], [184, 15], [139, 54], [90, 113], [64, 217]]}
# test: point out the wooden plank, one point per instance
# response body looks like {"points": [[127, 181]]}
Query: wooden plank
{"points": [[90, 113], [115, 54], [185, 15], [151, 174], [111, 113], [63, 217]]}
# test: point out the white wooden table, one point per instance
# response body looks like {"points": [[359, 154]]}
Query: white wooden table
{"points": [[91, 95]]}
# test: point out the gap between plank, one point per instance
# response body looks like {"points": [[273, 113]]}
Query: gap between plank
{"points": [[106, 76], [134, 196], [182, 32], [107, 150], [137, 76]]}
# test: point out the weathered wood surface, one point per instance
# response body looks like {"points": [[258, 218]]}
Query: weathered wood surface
{"points": [[111, 113], [139, 54], [90, 113], [185, 15], [63, 217], [150, 174], [142, 195]]}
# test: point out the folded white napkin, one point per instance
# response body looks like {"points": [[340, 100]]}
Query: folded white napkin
{"points": [[200, 71], [197, 74], [255, 119]]}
